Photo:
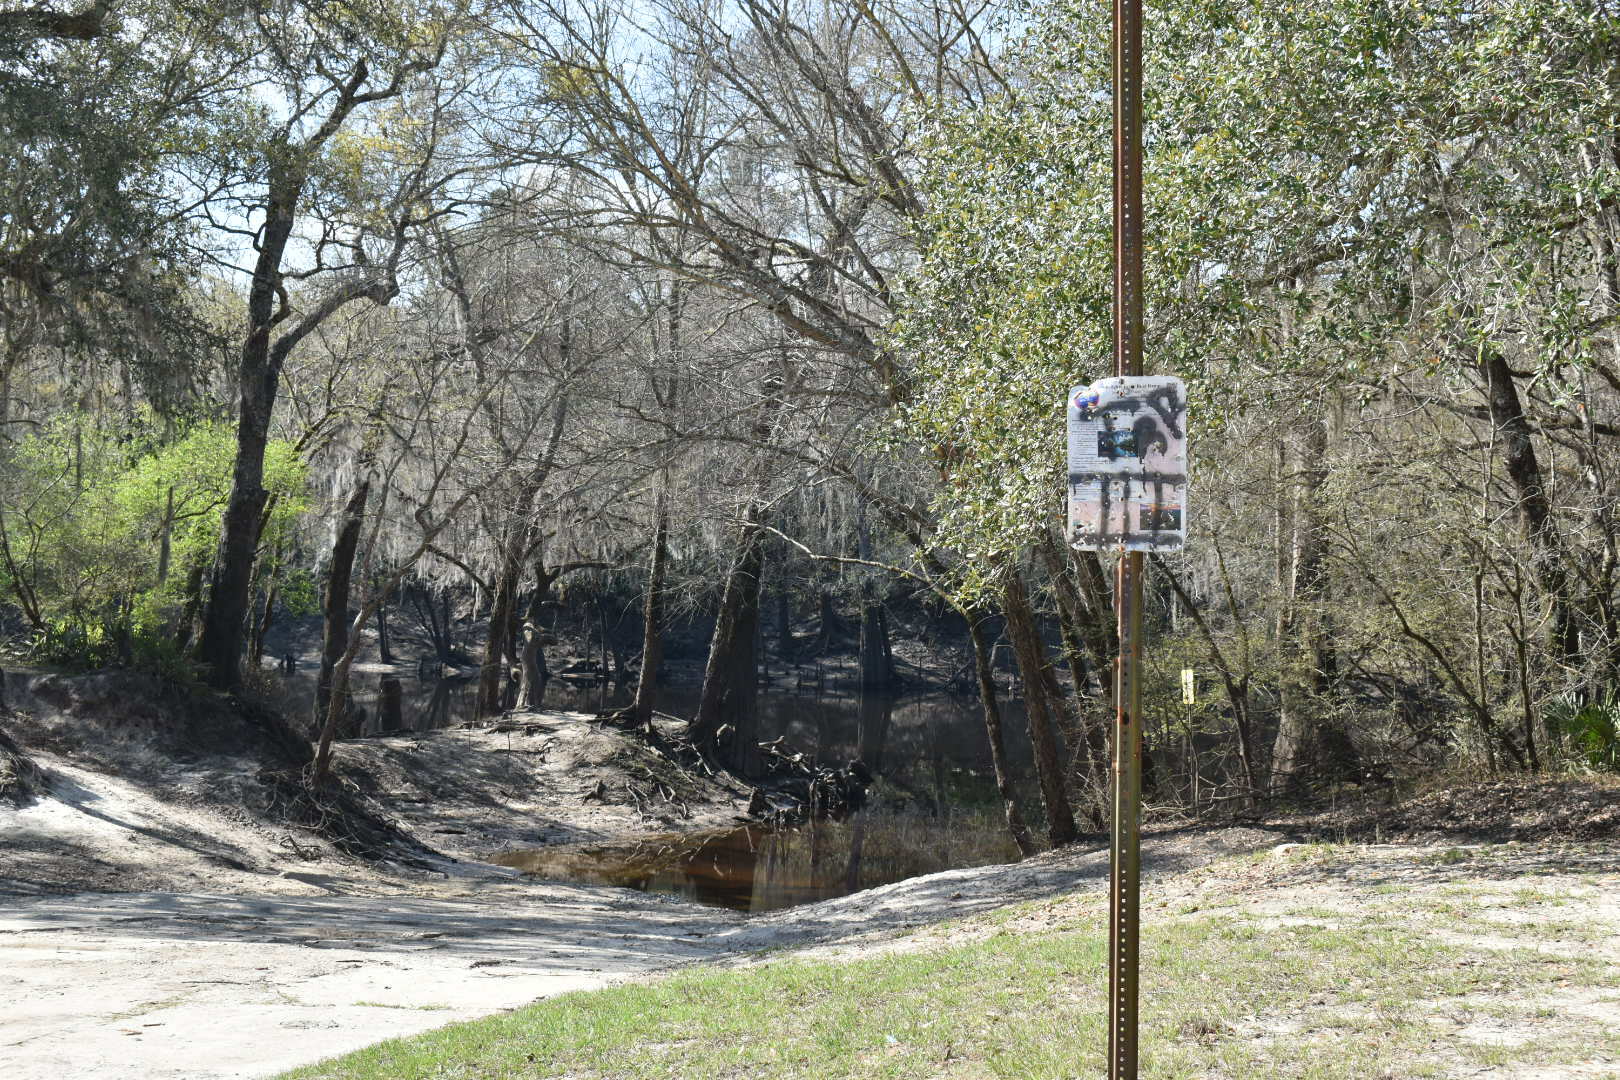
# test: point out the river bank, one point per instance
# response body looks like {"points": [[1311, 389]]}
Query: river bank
{"points": [[164, 915]]}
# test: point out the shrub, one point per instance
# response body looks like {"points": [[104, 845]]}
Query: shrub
{"points": [[1591, 729]]}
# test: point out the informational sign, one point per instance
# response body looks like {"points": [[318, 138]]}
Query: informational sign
{"points": [[1128, 464], [1189, 687]]}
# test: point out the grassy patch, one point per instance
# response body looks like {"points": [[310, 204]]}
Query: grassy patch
{"points": [[1223, 997]]}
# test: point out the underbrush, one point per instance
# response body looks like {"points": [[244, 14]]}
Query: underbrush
{"points": [[19, 776], [1591, 731], [81, 648], [1465, 806]]}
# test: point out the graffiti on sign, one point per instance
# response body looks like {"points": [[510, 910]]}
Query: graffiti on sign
{"points": [[1128, 464]]}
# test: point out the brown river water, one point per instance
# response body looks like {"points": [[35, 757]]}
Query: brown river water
{"points": [[932, 807]]}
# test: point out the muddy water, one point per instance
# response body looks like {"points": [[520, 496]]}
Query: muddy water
{"points": [[932, 807], [754, 869]]}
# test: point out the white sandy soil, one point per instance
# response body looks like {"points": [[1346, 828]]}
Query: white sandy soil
{"points": [[155, 925], [248, 959]]}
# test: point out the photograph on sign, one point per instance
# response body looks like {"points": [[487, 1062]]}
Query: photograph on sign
{"points": [[1128, 464]]}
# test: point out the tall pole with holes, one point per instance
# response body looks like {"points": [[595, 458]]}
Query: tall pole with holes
{"points": [[1124, 923]]}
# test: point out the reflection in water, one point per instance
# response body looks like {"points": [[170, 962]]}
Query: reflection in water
{"points": [[752, 869], [929, 749], [933, 806], [427, 705]]}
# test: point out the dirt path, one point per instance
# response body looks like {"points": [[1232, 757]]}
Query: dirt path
{"points": [[156, 985], [159, 919], [150, 985]]}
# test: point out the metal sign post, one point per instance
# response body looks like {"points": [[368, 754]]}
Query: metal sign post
{"points": [[1124, 894], [1127, 493]]}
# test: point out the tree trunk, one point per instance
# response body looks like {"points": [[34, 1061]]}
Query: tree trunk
{"points": [[602, 628], [220, 646], [1043, 712], [652, 617], [187, 623], [831, 622], [336, 639], [166, 538], [785, 646], [888, 645], [390, 704], [533, 674], [258, 378], [261, 627], [1072, 617], [385, 648], [876, 672], [730, 678], [992, 727], [1301, 641], [1535, 506], [493, 673]]}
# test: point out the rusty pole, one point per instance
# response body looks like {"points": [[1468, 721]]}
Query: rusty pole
{"points": [[1124, 923]]}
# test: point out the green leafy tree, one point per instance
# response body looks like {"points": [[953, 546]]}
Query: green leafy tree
{"points": [[1358, 212], [92, 537], [336, 70], [104, 111]]}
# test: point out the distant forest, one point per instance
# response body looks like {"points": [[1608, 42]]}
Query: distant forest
{"points": [[766, 310]]}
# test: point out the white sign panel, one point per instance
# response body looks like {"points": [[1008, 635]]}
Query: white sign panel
{"points": [[1128, 464]]}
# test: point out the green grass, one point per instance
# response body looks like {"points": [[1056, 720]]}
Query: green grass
{"points": [[1222, 998]]}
